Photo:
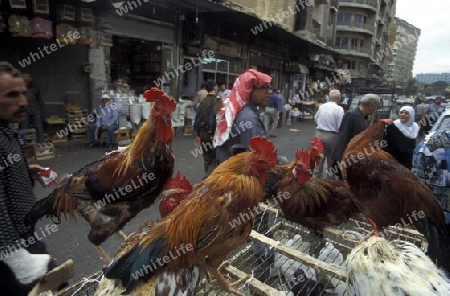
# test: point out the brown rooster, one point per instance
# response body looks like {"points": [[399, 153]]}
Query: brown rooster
{"points": [[388, 193], [108, 192], [313, 202], [199, 233]]}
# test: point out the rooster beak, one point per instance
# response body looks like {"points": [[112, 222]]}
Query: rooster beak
{"points": [[168, 192]]}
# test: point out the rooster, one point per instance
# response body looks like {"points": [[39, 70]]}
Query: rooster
{"points": [[207, 225], [313, 202], [388, 193], [173, 192], [110, 191], [381, 267]]}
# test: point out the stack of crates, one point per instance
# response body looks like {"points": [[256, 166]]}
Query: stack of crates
{"points": [[29, 137], [123, 136], [44, 151], [76, 117]]}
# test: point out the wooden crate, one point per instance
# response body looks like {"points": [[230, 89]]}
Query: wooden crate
{"points": [[44, 151], [29, 136], [29, 151]]}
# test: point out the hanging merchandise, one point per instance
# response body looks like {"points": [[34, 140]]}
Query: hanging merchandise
{"points": [[41, 7], [86, 16], [18, 4], [66, 12], [65, 34], [41, 28], [19, 26], [86, 36]]}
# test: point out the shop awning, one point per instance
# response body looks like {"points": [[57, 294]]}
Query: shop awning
{"points": [[294, 67]]}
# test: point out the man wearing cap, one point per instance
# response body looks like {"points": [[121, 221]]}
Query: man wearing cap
{"points": [[107, 120]]}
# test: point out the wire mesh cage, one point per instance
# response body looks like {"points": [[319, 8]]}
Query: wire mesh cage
{"points": [[285, 258]]}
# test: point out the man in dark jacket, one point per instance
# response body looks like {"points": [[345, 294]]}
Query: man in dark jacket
{"points": [[205, 126], [35, 107], [354, 123]]}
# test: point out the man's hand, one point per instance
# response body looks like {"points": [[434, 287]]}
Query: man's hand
{"points": [[35, 169]]}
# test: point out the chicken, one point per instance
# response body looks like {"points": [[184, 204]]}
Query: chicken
{"points": [[213, 220], [386, 268], [110, 191], [174, 191], [313, 202], [388, 193]]}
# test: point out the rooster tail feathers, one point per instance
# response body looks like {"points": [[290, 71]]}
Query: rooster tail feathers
{"points": [[140, 262], [40, 209], [264, 147], [438, 242]]}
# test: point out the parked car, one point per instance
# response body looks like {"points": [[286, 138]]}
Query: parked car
{"points": [[431, 161]]}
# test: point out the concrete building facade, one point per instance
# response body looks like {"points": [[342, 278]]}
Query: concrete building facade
{"points": [[403, 53], [433, 77]]}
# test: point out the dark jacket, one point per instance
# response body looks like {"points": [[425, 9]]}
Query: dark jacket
{"points": [[205, 105], [35, 103], [246, 125], [399, 146], [352, 124]]}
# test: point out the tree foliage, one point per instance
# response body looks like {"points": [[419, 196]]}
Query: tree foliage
{"points": [[411, 87]]}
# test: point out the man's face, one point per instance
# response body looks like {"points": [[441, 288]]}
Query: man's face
{"points": [[261, 96], [374, 107], [13, 102], [222, 87], [438, 101], [105, 102]]}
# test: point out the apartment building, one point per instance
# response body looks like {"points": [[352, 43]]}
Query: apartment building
{"points": [[429, 78], [362, 31], [403, 52]]}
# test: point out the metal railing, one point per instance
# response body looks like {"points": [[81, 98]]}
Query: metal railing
{"points": [[358, 25], [367, 2]]}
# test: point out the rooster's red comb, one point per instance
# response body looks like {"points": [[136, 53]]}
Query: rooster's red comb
{"points": [[264, 147], [317, 143], [304, 156], [178, 183], [166, 104]]}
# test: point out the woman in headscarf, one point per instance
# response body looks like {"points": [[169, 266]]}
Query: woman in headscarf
{"points": [[401, 136]]}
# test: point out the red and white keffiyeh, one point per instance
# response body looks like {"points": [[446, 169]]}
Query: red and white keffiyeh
{"points": [[236, 100]]}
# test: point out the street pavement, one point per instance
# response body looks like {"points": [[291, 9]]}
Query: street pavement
{"points": [[69, 240]]}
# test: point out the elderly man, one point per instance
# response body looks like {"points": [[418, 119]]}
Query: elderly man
{"points": [[107, 121], [352, 124], [328, 119]]}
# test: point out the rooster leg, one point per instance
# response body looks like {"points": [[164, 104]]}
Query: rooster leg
{"points": [[103, 254], [224, 283], [123, 237]]}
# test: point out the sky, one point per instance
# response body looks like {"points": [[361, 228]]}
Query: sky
{"points": [[432, 17]]}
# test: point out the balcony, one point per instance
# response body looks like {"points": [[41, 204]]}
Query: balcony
{"points": [[371, 5], [356, 27], [361, 51]]}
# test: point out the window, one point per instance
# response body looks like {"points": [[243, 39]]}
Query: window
{"points": [[359, 20], [341, 41], [351, 65], [343, 18], [355, 43]]}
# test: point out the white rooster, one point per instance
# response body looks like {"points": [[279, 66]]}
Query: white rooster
{"points": [[379, 267]]}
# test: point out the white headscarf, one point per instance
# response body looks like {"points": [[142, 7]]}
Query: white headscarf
{"points": [[410, 129]]}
